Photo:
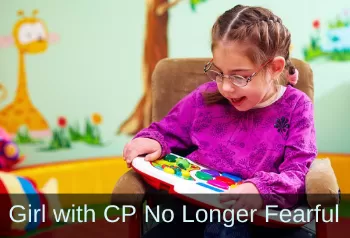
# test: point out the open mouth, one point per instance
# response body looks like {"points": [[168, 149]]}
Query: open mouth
{"points": [[237, 101]]}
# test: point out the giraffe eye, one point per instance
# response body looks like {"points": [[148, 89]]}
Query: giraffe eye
{"points": [[25, 35], [38, 31], [31, 32]]}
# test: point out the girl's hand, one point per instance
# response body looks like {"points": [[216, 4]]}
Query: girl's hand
{"points": [[141, 146], [246, 196]]}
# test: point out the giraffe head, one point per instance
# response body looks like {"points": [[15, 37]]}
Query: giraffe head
{"points": [[30, 34]]}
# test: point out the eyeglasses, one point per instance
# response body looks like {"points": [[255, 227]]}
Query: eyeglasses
{"points": [[237, 80]]}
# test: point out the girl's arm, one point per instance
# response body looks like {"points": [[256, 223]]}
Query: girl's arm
{"points": [[173, 131], [288, 186]]}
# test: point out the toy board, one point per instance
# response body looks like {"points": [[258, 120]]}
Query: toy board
{"points": [[190, 180]]}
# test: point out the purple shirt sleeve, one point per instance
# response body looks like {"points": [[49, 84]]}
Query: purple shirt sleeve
{"points": [[173, 131], [286, 187]]}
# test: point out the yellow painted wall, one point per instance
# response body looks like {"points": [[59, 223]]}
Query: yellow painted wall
{"points": [[341, 166], [88, 177]]}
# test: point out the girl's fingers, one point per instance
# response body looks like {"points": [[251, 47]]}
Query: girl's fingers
{"points": [[153, 156]]}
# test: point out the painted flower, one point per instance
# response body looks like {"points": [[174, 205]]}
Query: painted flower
{"points": [[96, 118], [316, 24], [62, 122]]}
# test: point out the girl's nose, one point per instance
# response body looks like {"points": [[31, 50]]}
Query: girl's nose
{"points": [[227, 85]]}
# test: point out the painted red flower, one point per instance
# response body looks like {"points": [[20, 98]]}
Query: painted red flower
{"points": [[62, 122], [316, 24]]}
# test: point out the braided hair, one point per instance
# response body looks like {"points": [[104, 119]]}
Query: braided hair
{"points": [[258, 26]]}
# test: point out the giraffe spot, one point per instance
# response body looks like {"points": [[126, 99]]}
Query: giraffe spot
{"points": [[20, 100], [43, 122], [27, 120], [11, 128], [18, 111], [32, 109]]}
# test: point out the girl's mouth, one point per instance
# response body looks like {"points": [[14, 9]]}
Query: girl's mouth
{"points": [[237, 101]]}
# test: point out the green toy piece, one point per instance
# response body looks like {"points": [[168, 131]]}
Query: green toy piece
{"points": [[203, 176], [170, 158], [183, 164]]}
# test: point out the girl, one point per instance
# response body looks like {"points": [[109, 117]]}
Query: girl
{"points": [[244, 121]]}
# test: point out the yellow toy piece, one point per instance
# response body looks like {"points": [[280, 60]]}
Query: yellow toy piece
{"points": [[233, 186], [163, 162], [185, 173], [169, 170]]}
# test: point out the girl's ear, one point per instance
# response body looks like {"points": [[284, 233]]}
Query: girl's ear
{"points": [[277, 66]]}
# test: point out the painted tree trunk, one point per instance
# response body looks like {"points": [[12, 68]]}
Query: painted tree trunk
{"points": [[155, 49]]}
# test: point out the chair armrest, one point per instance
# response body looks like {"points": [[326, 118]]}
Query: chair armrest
{"points": [[130, 189], [321, 184]]}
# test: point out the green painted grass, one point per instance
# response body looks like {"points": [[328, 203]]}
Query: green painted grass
{"points": [[23, 137], [313, 53]]}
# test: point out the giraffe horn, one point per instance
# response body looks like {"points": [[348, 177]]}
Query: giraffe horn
{"points": [[20, 13], [35, 12]]}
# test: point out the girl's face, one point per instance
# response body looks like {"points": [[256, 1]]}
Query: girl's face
{"points": [[230, 59]]}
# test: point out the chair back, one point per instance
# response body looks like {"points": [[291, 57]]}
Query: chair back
{"points": [[174, 78]]}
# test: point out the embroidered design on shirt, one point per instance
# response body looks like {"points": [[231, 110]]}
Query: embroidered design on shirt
{"points": [[282, 125]]}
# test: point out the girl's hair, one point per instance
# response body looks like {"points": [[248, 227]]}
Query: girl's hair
{"points": [[260, 28]]}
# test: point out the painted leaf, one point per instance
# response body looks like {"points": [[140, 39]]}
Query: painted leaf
{"points": [[194, 3]]}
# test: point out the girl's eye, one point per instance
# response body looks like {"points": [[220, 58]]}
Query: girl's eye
{"points": [[238, 76]]}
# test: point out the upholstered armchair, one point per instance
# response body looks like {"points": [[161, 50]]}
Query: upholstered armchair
{"points": [[173, 79]]}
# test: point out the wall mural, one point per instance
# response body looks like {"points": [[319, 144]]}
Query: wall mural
{"points": [[330, 41], [155, 49], [64, 134], [30, 36], [42, 138], [21, 119]]}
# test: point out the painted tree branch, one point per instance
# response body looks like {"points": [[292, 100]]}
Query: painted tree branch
{"points": [[161, 9]]}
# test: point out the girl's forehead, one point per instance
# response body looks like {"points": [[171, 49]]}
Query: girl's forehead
{"points": [[234, 52], [232, 63], [238, 47]]}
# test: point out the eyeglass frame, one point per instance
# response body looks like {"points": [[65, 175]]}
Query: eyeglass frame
{"points": [[232, 77]]}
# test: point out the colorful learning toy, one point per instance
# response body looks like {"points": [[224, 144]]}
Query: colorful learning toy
{"points": [[196, 183], [182, 176]]}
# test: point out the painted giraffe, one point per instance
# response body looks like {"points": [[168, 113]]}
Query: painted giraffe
{"points": [[30, 36]]}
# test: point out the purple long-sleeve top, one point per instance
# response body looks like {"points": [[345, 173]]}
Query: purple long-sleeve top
{"points": [[271, 147]]}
